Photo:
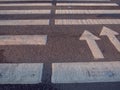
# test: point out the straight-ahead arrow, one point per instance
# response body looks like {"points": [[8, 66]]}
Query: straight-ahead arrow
{"points": [[90, 39], [111, 35]]}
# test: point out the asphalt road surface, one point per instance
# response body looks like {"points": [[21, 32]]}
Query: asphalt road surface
{"points": [[59, 45]]}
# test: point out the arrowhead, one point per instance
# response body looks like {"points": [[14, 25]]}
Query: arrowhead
{"points": [[88, 36], [107, 31]]}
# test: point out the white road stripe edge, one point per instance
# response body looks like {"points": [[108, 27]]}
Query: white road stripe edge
{"points": [[87, 4], [24, 22], [87, 12], [86, 21], [85, 72], [23, 39], [27, 4], [25, 11], [22, 73]]}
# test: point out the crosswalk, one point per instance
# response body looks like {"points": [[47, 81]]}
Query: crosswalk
{"points": [[59, 14]]}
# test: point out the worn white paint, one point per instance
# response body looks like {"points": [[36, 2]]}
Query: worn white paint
{"points": [[23, 39], [86, 72], [24, 22], [90, 39], [86, 21], [23, 0], [87, 11], [25, 11], [87, 4], [111, 35], [26, 4], [21, 73]]}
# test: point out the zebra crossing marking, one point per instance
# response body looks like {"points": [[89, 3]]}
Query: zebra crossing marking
{"points": [[86, 72], [21, 73], [24, 22], [86, 21], [87, 4], [87, 12], [23, 39], [25, 11], [26, 4]]}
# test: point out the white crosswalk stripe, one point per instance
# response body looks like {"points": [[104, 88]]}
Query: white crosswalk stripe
{"points": [[23, 39], [25, 11], [22, 73], [87, 4], [86, 21], [85, 72], [26, 4], [87, 11], [24, 22]]}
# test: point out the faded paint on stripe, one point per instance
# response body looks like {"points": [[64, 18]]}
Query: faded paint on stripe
{"points": [[27, 4], [23, 39], [87, 12], [24, 22], [87, 4], [85, 72], [86, 21], [25, 11], [22, 73]]}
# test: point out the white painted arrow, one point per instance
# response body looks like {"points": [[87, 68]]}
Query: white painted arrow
{"points": [[111, 35], [90, 39]]}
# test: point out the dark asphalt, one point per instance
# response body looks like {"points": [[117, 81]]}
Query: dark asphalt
{"points": [[63, 45]]}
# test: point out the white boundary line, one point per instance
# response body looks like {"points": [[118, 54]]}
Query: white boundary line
{"points": [[87, 12], [27, 4], [86, 21], [25, 11], [23, 39], [87, 4], [86, 72], [24, 22], [22, 73]]}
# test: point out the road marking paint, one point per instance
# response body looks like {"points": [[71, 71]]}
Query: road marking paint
{"points": [[87, 4], [87, 12], [26, 4], [84, 0], [25, 11], [22, 73], [90, 39], [22, 0], [23, 39], [86, 72], [24, 22], [111, 35], [86, 21]]}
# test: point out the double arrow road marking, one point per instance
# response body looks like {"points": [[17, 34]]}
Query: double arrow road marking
{"points": [[42, 39], [90, 39]]}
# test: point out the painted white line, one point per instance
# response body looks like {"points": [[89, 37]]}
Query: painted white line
{"points": [[24, 22], [23, 39], [111, 35], [87, 12], [84, 0], [85, 72], [25, 11], [23, 0], [23, 73], [90, 39], [27, 4], [86, 21], [87, 4]]}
